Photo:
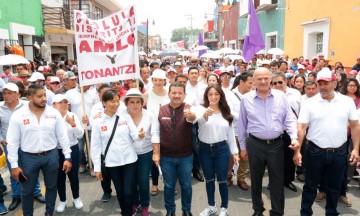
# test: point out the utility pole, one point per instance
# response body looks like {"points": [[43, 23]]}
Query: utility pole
{"points": [[190, 17], [219, 3], [147, 36]]}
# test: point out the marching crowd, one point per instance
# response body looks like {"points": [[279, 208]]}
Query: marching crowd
{"points": [[192, 118]]}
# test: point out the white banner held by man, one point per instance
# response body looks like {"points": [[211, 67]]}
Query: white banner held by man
{"points": [[106, 48]]}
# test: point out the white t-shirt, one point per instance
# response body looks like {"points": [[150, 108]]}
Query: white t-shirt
{"points": [[196, 90], [215, 129], [327, 121], [294, 98]]}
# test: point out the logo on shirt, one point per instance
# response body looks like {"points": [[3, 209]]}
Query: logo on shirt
{"points": [[103, 128], [122, 123], [26, 121]]}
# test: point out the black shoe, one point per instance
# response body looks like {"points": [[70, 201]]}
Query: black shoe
{"points": [[170, 213], [268, 187], [198, 176], [14, 203], [291, 186], [186, 214], [258, 214], [40, 198]]}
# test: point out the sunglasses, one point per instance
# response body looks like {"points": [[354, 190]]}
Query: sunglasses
{"points": [[55, 83], [275, 83], [194, 61]]}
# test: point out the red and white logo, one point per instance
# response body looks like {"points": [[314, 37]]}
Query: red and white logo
{"points": [[26, 121], [103, 128]]}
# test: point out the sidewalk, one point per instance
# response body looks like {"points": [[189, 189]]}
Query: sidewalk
{"points": [[239, 201]]}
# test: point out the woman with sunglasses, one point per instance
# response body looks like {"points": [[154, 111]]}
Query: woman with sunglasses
{"points": [[75, 131], [217, 140]]}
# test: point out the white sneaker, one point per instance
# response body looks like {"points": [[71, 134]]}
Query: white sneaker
{"points": [[78, 203], [223, 212], [209, 211], [61, 207]]}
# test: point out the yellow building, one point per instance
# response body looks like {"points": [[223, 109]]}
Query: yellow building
{"points": [[331, 27]]}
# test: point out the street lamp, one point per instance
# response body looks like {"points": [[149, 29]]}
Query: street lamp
{"points": [[147, 34]]}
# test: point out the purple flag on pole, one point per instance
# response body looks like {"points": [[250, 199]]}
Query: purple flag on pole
{"points": [[254, 40], [201, 42]]}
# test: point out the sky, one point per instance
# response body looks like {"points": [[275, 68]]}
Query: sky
{"points": [[171, 14]]}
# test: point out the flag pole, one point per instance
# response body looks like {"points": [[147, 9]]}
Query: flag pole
{"points": [[85, 127]]}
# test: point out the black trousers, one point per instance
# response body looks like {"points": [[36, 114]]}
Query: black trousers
{"points": [[289, 166], [271, 155]]}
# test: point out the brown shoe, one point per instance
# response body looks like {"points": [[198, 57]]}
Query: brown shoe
{"points": [[320, 196], [243, 185], [154, 190], [346, 201]]}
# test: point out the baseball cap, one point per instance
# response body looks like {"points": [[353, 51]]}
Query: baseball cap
{"points": [[58, 98], [353, 72], [54, 79], [325, 74], [314, 58], [36, 76], [42, 69], [288, 75], [300, 66], [159, 74], [11, 86], [177, 63], [171, 69], [265, 62], [133, 92], [225, 70], [69, 75], [6, 67], [24, 73]]}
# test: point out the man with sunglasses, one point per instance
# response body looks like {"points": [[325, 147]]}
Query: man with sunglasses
{"points": [[294, 98]]}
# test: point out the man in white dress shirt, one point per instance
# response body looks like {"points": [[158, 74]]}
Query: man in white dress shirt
{"points": [[37, 129]]}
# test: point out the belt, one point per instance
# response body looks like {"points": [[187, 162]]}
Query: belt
{"points": [[40, 153], [214, 144], [268, 141], [327, 149]]}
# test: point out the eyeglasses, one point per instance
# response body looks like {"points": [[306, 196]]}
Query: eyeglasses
{"points": [[177, 66], [55, 83], [194, 61], [275, 83], [352, 86]]}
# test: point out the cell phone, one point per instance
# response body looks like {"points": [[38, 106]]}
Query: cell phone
{"points": [[22, 178]]}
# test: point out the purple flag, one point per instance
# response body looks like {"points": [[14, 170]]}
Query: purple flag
{"points": [[254, 40], [201, 42]]}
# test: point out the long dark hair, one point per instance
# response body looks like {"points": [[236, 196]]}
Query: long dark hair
{"points": [[345, 91], [340, 84], [303, 88], [224, 107]]}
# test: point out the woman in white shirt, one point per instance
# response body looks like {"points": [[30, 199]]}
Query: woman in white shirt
{"points": [[75, 131], [142, 119], [120, 159], [217, 140], [154, 99]]}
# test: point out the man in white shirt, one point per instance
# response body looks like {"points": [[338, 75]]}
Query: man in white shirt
{"points": [[197, 89], [75, 106], [39, 79], [329, 114], [37, 129], [145, 75], [294, 98]]}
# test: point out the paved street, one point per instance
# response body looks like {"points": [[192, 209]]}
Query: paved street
{"points": [[240, 201]]}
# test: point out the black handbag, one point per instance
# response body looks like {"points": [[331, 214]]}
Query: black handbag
{"points": [[104, 170]]}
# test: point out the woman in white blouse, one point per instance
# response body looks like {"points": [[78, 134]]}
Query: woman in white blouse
{"points": [[75, 131], [120, 159], [217, 140], [142, 119]]}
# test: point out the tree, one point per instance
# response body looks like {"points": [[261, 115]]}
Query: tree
{"points": [[184, 34]]}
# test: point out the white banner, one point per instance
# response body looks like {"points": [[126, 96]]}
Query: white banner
{"points": [[106, 48]]}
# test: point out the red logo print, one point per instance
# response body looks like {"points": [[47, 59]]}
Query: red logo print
{"points": [[103, 128], [26, 121]]}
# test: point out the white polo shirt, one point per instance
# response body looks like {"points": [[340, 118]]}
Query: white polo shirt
{"points": [[294, 98], [327, 121]]}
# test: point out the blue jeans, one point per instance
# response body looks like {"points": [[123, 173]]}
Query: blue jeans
{"points": [[123, 178], [73, 175], [215, 159], [141, 191], [173, 168], [15, 185], [324, 164], [31, 166]]}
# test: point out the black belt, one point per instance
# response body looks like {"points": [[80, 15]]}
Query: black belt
{"points": [[328, 149], [268, 141], [40, 153]]}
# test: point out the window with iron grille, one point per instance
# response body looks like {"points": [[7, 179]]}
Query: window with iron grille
{"points": [[99, 13], [319, 42]]}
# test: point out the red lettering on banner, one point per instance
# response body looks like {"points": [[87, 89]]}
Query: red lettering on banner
{"points": [[108, 72], [100, 46]]}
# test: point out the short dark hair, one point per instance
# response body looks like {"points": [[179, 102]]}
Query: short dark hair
{"points": [[176, 84], [244, 77], [105, 85], [153, 63], [180, 76], [192, 68], [33, 89], [47, 74], [274, 64], [109, 95], [310, 82]]}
